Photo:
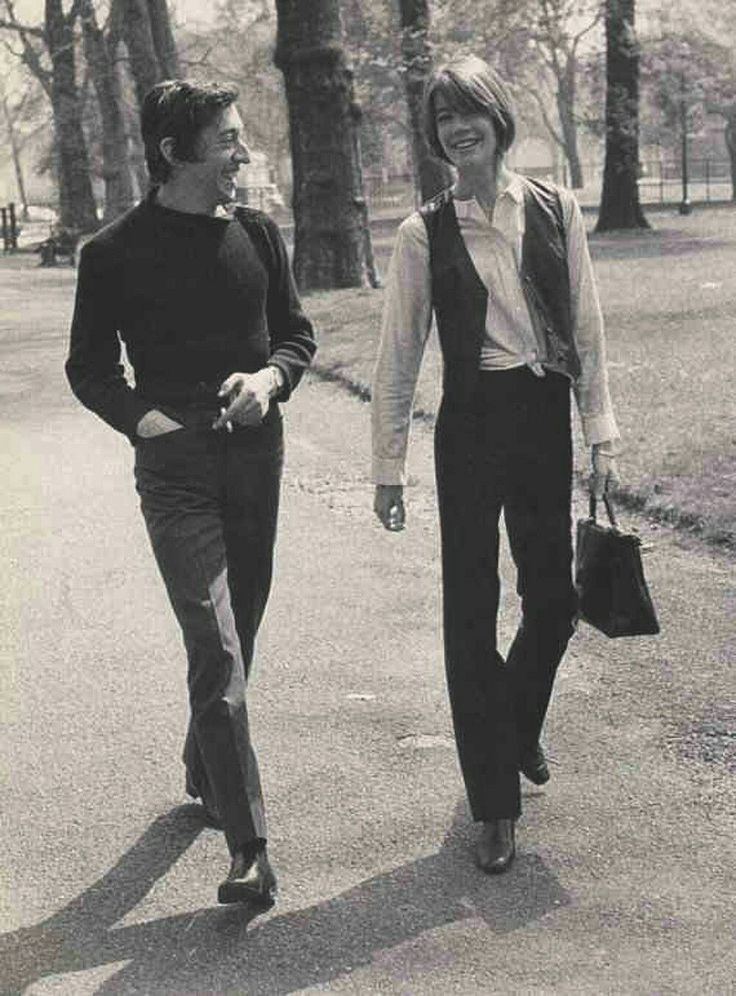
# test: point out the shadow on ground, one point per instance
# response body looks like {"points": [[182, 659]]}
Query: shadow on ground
{"points": [[219, 949]]}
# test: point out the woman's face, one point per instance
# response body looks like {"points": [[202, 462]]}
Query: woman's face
{"points": [[467, 138]]}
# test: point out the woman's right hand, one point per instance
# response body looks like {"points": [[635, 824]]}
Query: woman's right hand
{"points": [[388, 505]]}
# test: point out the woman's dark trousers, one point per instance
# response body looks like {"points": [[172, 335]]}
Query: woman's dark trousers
{"points": [[508, 448], [210, 503]]}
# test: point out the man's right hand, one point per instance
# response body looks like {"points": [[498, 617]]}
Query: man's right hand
{"points": [[388, 505], [155, 423]]}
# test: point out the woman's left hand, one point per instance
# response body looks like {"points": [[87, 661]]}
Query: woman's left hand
{"points": [[605, 473]]}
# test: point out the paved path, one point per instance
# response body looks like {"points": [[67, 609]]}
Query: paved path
{"points": [[625, 877]]}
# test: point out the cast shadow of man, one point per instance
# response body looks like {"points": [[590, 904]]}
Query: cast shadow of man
{"points": [[217, 949]]}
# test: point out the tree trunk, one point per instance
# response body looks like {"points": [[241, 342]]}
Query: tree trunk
{"points": [[430, 173], [331, 235], [128, 101], [730, 136], [139, 168], [371, 269], [620, 206], [566, 111], [15, 154], [115, 162], [163, 38], [137, 33], [76, 199]]}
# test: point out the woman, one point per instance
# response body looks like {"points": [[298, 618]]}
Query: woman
{"points": [[502, 262]]}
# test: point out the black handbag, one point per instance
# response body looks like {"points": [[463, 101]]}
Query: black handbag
{"points": [[609, 578]]}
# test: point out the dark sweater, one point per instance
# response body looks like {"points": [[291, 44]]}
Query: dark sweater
{"points": [[194, 298]]}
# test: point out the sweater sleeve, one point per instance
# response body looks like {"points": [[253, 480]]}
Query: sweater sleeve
{"points": [[293, 342], [93, 367]]}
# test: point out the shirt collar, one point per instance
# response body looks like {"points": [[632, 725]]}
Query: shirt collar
{"points": [[472, 209]]}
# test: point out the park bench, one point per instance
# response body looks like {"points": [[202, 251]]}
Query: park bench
{"points": [[62, 242]]}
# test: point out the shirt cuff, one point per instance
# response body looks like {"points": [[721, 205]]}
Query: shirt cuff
{"points": [[389, 470], [287, 387], [599, 428]]}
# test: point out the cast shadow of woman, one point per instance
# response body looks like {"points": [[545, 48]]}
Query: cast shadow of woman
{"points": [[217, 950]]}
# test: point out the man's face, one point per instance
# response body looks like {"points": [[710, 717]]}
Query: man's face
{"points": [[220, 154]]}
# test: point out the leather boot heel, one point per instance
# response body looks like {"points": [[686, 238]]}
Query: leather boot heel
{"points": [[496, 847], [251, 880], [533, 765]]}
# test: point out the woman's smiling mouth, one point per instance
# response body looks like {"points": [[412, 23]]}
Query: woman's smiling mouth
{"points": [[465, 143]]}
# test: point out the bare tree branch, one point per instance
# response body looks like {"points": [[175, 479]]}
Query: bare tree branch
{"points": [[577, 38], [546, 119], [27, 29], [198, 63], [9, 48], [30, 57]]}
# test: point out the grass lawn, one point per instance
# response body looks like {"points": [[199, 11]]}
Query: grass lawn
{"points": [[669, 297]]}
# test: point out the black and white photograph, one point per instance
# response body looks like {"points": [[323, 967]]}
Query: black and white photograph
{"points": [[368, 447]]}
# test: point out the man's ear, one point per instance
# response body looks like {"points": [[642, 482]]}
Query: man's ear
{"points": [[167, 147]]}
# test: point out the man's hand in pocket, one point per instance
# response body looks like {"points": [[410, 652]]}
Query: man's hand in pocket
{"points": [[155, 423]]}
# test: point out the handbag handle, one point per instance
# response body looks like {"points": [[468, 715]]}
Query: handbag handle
{"points": [[609, 508]]}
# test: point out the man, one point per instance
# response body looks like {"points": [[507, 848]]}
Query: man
{"points": [[213, 328]]}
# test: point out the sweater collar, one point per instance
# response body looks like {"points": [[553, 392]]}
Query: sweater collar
{"points": [[186, 217]]}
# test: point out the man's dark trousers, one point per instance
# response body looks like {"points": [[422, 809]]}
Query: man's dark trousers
{"points": [[210, 503], [507, 448]]}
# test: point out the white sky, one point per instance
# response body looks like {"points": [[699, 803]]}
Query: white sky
{"points": [[186, 10], [193, 10], [202, 10]]}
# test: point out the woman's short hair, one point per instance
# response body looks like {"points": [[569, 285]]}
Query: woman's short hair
{"points": [[471, 86], [179, 109]]}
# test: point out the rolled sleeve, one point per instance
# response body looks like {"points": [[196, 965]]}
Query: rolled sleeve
{"points": [[405, 326]]}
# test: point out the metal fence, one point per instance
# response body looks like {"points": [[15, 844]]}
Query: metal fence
{"points": [[709, 179], [393, 191]]}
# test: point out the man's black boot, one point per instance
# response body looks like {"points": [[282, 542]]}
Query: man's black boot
{"points": [[251, 879]]}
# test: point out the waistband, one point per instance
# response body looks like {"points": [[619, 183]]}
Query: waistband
{"points": [[203, 393], [194, 405], [521, 378], [491, 390]]}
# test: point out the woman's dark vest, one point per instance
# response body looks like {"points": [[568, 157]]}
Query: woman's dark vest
{"points": [[460, 298]]}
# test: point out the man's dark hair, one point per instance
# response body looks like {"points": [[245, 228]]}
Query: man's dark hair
{"points": [[179, 109], [471, 86]]}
